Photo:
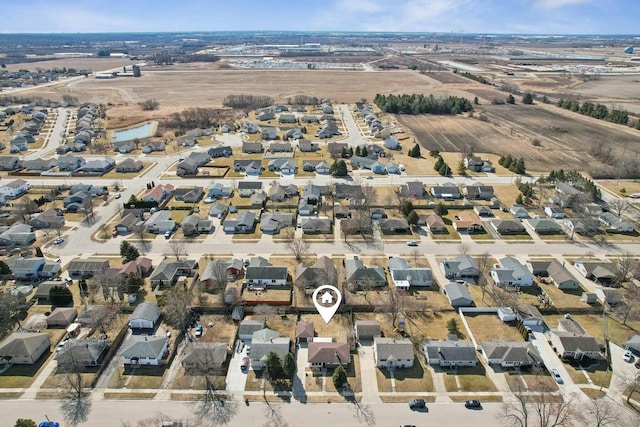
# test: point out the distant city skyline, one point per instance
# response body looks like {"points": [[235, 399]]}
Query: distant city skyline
{"points": [[469, 16]]}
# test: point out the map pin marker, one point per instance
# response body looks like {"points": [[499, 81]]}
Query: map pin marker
{"points": [[327, 299]]}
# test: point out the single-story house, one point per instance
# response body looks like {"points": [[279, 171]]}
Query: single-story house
{"points": [[248, 327], [461, 267], [393, 352], [448, 354], [435, 224], [467, 221], [598, 271], [267, 341], [328, 354], [544, 226], [160, 222], [529, 315], [140, 350], [23, 348], [260, 272], [358, 275], [145, 316], [305, 331], [320, 273], [507, 226], [168, 272], [519, 211], [446, 192], [614, 223], [511, 273], [82, 352], [458, 295], [509, 354], [242, 223], [272, 223], [85, 268], [247, 188], [478, 192], [367, 329], [49, 218], [204, 357], [555, 212], [559, 275], [91, 315], [61, 316], [571, 341], [413, 189], [404, 276]]}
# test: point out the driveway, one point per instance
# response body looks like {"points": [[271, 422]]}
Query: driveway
{"points": [[299, 392], [236, 378], [368, 374], [551, 360]]}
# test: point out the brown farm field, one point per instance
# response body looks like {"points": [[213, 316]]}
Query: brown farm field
{"points": [[564, 138]]}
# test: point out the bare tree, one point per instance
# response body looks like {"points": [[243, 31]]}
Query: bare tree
{"points": [[110, 284], [624, 268], [484, 264], [178, 248], [602, 413], [159, 418], [628, 308], [630, 384], [266, 311], [297, 246], [10, 307], [537, 406], [140, 231], [87, 206], [177, 307], [463, 249], [619, 206], [218, 274], [76, 402], [273, 415], [25, 208], [363, 413]]}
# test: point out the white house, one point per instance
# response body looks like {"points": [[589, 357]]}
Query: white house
{"points": [[404, 276], [140, 350], [145, 316], [393, 352], [14, 189], [511, 273]]}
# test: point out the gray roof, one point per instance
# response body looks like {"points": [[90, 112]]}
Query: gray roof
{"points": [[458, 294], [578, 343], [266, 341], [20, 344], [248, 327], [458, 264], [167, 270], [266, 273], [205, 354], [367, 328], [83, 351], [450, 350], [143, 346], [398, 348], [511, 351], [146, 311]]}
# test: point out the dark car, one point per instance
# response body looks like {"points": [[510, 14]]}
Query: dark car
{"points": [[417, 404], [472, 404]]}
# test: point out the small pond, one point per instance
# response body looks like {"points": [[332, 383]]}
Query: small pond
{"points": [[139, 132]]}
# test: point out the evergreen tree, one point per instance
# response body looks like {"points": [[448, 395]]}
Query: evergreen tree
{"points": [[439, 163], [273, 367], [452, 327], [133, 283], [24, 422], [358, 152], [60, 296], [4, 268], [440, 209], [475, 100], [289, 365], [344, 154], [413, 218], [364, 151], [128, 252], [519, 166], [406, 207], [415, 151], [340, 168], [350, 152], [527, 98], [519, 199], [511, 99], [444, 169], [462, 169], [339, 377], [39, 252]]}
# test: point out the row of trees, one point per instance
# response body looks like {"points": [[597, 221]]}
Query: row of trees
{"points": [[598, 111], [193, 118], [249, 102], [442, 167], [421, 104], [574, 178], [514, 165]]}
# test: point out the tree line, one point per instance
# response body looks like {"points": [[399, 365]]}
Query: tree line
{"points": [[422, 104], [247, 101], [598, 111]]}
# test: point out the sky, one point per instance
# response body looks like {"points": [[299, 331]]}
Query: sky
{"points": [[468, 16]]}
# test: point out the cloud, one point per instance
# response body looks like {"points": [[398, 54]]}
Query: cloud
{"points": [[556, 4]]}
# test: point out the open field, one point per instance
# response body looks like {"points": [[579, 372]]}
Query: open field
{"points": [[511, 129]]}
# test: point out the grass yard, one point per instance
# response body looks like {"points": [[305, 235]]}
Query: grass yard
{"points": [[488, 327], [196, 381], [468, 380], [339, 329], [521, 380], [415, 379], [22, 376], [593, 324], [567, 298], [148, 377], [424, 326], [218, 328]]}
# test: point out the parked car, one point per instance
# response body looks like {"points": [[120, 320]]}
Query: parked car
{"points": [[417, 404], [167, 235], [209, 199], [412, 243], [61, 345], [58, 241], [628, 356], [199, 330], [117, 196], [472, 404], [245, 363], [556, 376]]}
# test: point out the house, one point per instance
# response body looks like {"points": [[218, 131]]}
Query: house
{"points": [[294, 133], [23, 348], [188, 194], [141, 266], [92, 315], [467, 221], [392, 143], [247, 188], [248, 167], [77, 201], [9, 163], [284, 166], [519, 211], [267, 341], [316, 225], [160, 222], [168, 272], [25, 268], [153, 146], [476, 164], [193, 224], [158, 193], [70, 163], [14, 189], [219, 190], [393, 353], [598, 271], [129, 165], [306, 146], [327, 355], [82, 352], [511, 273], [128, 223], [287, 118], [61, 316], [337, 148], [220, 151], [305, 332], [279, 192], [143, 350], [272, 223], [583, 226], [317, 166], [367, 329], [633, 344], [507, 226], [124, 147], [251, 147], [204, 357], [360, 276], [19, 234], [558, 274], [544, 226], [394, 226], [145, 316], [86, 268], [571, 341], [260, 272], [529, 315], [447, 354], [567, 190], [218, 210], [39, 164], [609, 296], [248, 327], [187, 167], [413, 189], [435, 223], [483, 211], [460, 267], [404, 276], [511, 354], [43, 291], [611, 222], [99, 166], [322, 272], [258, 199], [242, 223], [309, 118], [478, 192], [458, 295], [446, 192], [265, 115], [249, 127], [554, 212], [269, 134]]}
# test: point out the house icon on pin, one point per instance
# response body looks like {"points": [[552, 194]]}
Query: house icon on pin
{"points": [[326, 298]]}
